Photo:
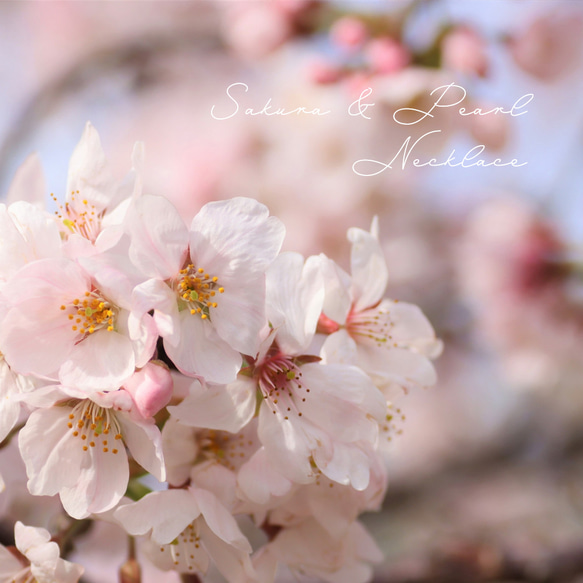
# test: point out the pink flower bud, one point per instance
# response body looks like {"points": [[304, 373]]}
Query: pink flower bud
{"points": [[323, 73], [550, 46], [150, 388], [464, 50], [326, 325], [385, 55], [348, 33]]}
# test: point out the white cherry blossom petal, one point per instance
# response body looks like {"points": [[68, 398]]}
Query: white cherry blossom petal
{"points": [[348, 465], [220, 520], [166, 513], [144, 441], [368, 267], [231, 561], [339, 348], [259, 481], [226, 408], [288, 444], [240, 313], [101, 484], [159, 237], [102, 361], [202, 352], [52, 459], [89, 172], [234, 234], [337, 283], [295, 295]]}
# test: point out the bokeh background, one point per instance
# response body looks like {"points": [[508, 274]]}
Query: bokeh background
{"points": [[487, 476]]}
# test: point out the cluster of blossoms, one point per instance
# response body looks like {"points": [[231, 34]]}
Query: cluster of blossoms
{"points": [[515, 262], [251, 383]]}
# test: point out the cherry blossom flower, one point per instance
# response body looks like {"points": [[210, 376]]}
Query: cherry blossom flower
{"points": [[61, 324], [190, 528], [309, 550], [77, 448], [311, 415], [392, 341], [208, 283], [95, 203], [38, 561]]}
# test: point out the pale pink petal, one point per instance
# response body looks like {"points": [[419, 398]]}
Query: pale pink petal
{"points": [[348, 465], [36, 349], [240, 313], [38, 229], [144, 441], [219, 519], [232, 562], [28, 539], [288, 445], [155, 294], [103, 361], [202, 352], [412, 327], [46, 396], [259, 481], [102, 483], [89, 172], [226, 408], [369, 269], [343, 401], [295, 295], [53, 458], [398, 365], [339, 348], [143, 335], [46, 283], [114, 273], [233, 234], [159, 237], [337, 284], [180, 450], [218, 479], [167, 513], [67, 572]]}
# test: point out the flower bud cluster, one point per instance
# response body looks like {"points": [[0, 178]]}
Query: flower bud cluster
{"points": [[246, 381]]}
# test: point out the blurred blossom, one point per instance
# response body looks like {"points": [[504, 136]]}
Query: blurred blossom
{"points": [[348, 33], [464, 50], [254, 29], [514, 273], [386, 55], [493, 131], [503, 290], [549, 46]]}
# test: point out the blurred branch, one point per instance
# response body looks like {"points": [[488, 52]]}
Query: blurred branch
{"points": [[137, 56], [481, 563], [527, 443]]}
